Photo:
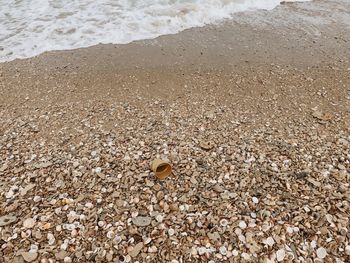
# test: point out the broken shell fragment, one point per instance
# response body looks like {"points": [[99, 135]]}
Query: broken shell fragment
{"points": [[7, 219]]}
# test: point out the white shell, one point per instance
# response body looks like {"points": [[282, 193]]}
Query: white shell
{"points": [[321, 252], [280, 254], [242, 225], [270, 241]]}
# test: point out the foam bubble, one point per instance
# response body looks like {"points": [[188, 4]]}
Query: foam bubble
{"points": [[28, 28]]}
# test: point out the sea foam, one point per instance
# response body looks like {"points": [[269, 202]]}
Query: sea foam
{"points": [[28, 28]]}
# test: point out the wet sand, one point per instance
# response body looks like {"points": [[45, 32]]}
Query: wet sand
{"points": [[254, 115]]}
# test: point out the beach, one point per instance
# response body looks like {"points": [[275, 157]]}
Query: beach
{"points": [[253, 114]]}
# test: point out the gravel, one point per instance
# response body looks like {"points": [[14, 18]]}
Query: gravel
{"points": [[76, 185]]}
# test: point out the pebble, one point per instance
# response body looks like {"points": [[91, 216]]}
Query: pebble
{"points": [[61, 255], [223, 222], [171, 232], [202, 250], [29, 256], [280, 254], [51, 239], [37, 199], [142, 221], [245, 256], [136, 250], [270, 241], [214, 236], [29, 223], [347, 250], [218, 188], [242, 225], [223, 250], [7, 220], [321, 252], [159, 218], [26, 189]]}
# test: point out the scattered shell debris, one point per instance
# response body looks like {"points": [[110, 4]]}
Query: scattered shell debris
{"points": [[253, 192]]}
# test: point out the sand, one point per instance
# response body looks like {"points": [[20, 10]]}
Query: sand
{"points": [[253, 114]]}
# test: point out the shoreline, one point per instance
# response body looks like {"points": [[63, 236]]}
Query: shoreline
{"points": [[293, 36], [308, 22]]}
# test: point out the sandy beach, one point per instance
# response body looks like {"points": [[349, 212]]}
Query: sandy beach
{"points": [[253, 114]]}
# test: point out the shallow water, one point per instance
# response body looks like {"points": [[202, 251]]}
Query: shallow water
{"points": [[28, 28]]}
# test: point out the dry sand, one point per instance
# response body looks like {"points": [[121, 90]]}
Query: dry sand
{"points": [[254, 115]]}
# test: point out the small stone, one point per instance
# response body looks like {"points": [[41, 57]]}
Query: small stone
{"points": [[6, 220], [242, 225], [9, 194], [29, 256], [152, 249], [37, 234], [36, 199], [289, 230], [321, 252], [61, 255], [110, 234], [347, 250], [322, 116], [214, 236], [159, 218], [29, 223], [33, 248], [202, 251], [218, 188], [245, 256], [67, 260], [89, 205], [210, 115], [223, 250], [173, 207], [270, 241], [109, 257], [43, 165], [127, 258], [51, 239], [255, 200], [241, 238], [171, 232], [26, 189], [313, 244], [223, 222], [142, 221], [280, 254], [314, 182], [206, 145], [136, 250], [3, 168]]}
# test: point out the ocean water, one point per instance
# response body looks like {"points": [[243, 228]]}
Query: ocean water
{"points": [[31, 27]]}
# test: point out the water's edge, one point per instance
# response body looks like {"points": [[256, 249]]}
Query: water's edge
{"points": [[29, 30]]}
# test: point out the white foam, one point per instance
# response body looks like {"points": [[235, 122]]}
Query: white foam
{"points": [[28, 28]]}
